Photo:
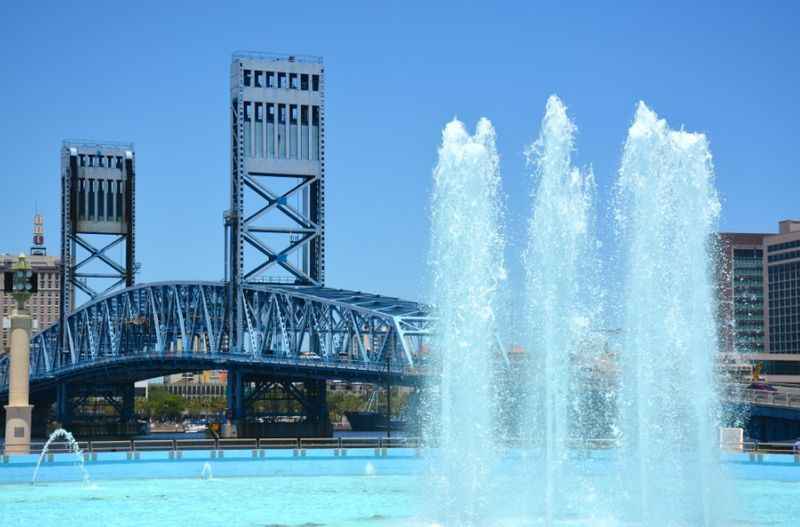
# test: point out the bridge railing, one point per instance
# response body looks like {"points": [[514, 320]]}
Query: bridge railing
{"points": [[780, 397], [756, 447]]}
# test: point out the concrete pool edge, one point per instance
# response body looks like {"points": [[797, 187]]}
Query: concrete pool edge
{"points": [[61, 467]]}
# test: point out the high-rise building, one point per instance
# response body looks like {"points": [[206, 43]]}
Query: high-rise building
{"points": [[742, 292], [760, 299], [44, 305], [782, 272]]}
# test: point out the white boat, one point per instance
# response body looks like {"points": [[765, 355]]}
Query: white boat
{"points": [[194, 429]]}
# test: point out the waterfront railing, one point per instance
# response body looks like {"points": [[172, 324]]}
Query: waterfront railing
{"points": [[341, 444], [178, 445]]}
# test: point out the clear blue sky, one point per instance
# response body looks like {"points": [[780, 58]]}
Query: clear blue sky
{"points": [[156, 74]]}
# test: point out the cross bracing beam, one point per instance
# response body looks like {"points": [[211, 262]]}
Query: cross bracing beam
{"points": [[327, 332]]}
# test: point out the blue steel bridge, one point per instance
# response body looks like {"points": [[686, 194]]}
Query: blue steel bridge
{"points": [[279, 343], [295, 338]]}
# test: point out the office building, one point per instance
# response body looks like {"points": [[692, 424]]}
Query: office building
{"points": [[782, 271], [44, 305], [742, 292], [760, 299]]}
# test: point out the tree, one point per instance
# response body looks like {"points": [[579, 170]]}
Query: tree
{"points": [[162, 405]]}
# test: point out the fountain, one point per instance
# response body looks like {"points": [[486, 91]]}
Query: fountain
{"points": [[467, 267], [562, 303], [206, 473], [665, 414], [667, 211], [73, 446]]}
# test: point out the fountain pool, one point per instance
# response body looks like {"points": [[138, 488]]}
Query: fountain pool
{"points": [[325, 490]]}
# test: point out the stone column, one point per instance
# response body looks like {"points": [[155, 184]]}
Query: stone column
{"points": [[18, 411]]}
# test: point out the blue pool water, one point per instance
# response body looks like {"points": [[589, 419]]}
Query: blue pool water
{"points": [[318, 489]]}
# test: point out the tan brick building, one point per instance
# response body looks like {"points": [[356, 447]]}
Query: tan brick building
{"points": [[44, 305]]}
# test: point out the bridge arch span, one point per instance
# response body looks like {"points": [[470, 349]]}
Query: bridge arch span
{"points": [[154, 329]]}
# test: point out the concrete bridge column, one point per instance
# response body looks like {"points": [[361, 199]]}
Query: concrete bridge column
{"points": [[18, 410]]}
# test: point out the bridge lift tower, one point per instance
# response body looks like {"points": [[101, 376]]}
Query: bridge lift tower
{"points": [[275, 227], [97, 215], [97, 207]]}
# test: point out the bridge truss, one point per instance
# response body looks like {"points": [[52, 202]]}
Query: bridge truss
{"points": [[313, 328]]}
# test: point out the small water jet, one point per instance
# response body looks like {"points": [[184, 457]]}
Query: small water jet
{"points": [[206, 473], [74, 448]]}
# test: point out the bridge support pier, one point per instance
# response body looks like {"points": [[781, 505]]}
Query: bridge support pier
{"points": [[234, 392], [317, 407], [18, 410], [63, 406], [128, 410], [84, 410]]}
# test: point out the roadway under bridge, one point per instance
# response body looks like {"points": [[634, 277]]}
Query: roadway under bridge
{"points": [[295, 339]]}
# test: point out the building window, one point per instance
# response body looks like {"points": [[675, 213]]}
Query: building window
{"points": [[293, 84], [304, 132], [315, 82], [259, 130], [82, 199], [247, 77], [110, 201], [91, 198], [282, 131], [304, 81], [270, 130], [270, 82], [257, 79], [315, 133], [281, 80], [119, 200], [100, 200], [248, 147], [293, 117]]}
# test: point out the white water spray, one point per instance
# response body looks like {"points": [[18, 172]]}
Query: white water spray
{"points": [[561, 302], [74, 448], [466, 261], [667, 215]]}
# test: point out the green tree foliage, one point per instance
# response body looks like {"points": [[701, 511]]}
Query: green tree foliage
{"points": [[162, 405], [340, 402]]}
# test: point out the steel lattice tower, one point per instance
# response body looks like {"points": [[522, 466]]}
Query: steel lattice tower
{"points": [[97, 200], [275, 230]]}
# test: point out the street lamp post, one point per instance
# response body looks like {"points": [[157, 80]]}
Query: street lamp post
{"points": [[18, 411], [388, 394]]}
